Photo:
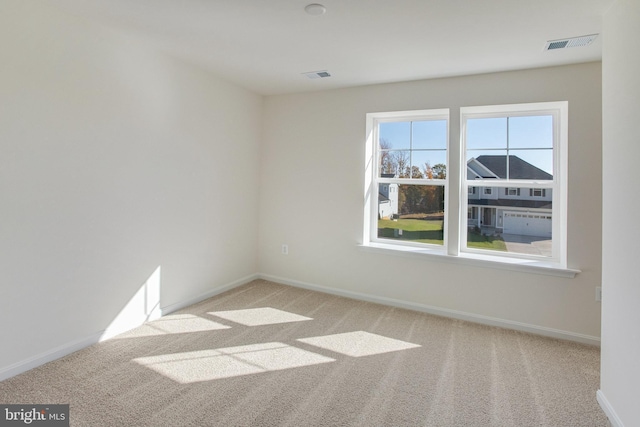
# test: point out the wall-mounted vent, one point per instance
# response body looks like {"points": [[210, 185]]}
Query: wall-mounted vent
{"points": [[317, 74], [572, 42]]}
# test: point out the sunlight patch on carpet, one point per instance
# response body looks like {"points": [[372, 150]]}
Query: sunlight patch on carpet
{"points": [[208, 365], [358, 344], [174, 324], [259, 316]]}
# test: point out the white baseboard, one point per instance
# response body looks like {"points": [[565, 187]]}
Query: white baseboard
{"points": [[182, 304], [614, 420], [476, 318], [48, 356], [68, 348]]}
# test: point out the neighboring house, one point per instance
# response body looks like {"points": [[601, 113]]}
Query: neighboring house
{"points": [[387, 199], [510, 210]]}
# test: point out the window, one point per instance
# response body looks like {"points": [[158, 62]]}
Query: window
{"points": [[472, 213], [410, 156], [511, 195], [523, 149]]}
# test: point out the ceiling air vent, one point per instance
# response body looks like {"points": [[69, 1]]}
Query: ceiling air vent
{"points": [[317, 74], [572, 42]]}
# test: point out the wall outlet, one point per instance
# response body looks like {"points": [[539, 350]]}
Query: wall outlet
{"points": [[598, 293], [285, 249]]}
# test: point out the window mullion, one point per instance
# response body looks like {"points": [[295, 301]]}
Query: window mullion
{"points": [[508, 167]]}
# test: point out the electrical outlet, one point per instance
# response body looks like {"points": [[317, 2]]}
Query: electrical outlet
{"points": [[598, 293], [285, 249]]}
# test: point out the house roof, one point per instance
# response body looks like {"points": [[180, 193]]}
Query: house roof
{"points": [[518, 168]]}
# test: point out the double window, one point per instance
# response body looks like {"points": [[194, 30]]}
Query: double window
{"points": [[509, 177]]}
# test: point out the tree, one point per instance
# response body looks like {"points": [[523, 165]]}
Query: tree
{"points": [[401, 161], [438, 171], [413, 199], [423, 199], [386, 159]]}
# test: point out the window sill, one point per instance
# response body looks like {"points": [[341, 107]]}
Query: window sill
{"points": [[478, 260]]}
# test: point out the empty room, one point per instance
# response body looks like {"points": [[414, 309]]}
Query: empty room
{"points": [[284, 213]]}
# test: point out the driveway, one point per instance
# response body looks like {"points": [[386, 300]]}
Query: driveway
{"points": [[527, 244]]}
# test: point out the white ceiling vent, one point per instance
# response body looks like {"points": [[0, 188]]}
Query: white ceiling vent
{"points": [[317, 74], [572, 42]]}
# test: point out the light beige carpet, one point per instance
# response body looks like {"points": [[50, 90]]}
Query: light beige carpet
{"points": [[271, 355]]}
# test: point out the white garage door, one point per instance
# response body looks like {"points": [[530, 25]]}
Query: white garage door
{"points": [[527, 224]]}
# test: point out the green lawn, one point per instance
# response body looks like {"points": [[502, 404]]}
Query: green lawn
{"points": [[430, 231], [495, 243], [414, 230]]}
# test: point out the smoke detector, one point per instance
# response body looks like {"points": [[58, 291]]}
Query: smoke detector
{"points": [[317, 74], [315, 9], [570, 42]]}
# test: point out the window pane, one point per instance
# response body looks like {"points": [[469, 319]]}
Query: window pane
{"points": [[395, 135], [430, 164], [431, 134], [523, 164], [517, 223], [528, 152], [486, 133], [394, 163], [411, 213], [483, 164], [531, 132], [531, 164]]}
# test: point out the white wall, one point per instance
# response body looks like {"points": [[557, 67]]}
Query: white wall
{"points": [[620, 370], [312, 199], [115, 160]]}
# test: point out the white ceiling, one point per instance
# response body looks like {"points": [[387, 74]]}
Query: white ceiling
{"points": [[265, 45]]}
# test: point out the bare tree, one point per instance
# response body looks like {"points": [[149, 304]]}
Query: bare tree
{"points": [[386, 158], [401, 161]]}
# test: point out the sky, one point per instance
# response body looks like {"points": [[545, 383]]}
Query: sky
{"points": [[528, 137]]}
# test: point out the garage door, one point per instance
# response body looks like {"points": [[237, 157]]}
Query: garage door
{"points": [[527, 224]]}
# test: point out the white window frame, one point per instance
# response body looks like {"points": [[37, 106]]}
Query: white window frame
{"points": [[373, 180], [454, 249], [559, 113]]}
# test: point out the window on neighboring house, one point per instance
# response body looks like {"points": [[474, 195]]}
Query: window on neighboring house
{"points": [[410, 151], [519, 148], [472, 213]]}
